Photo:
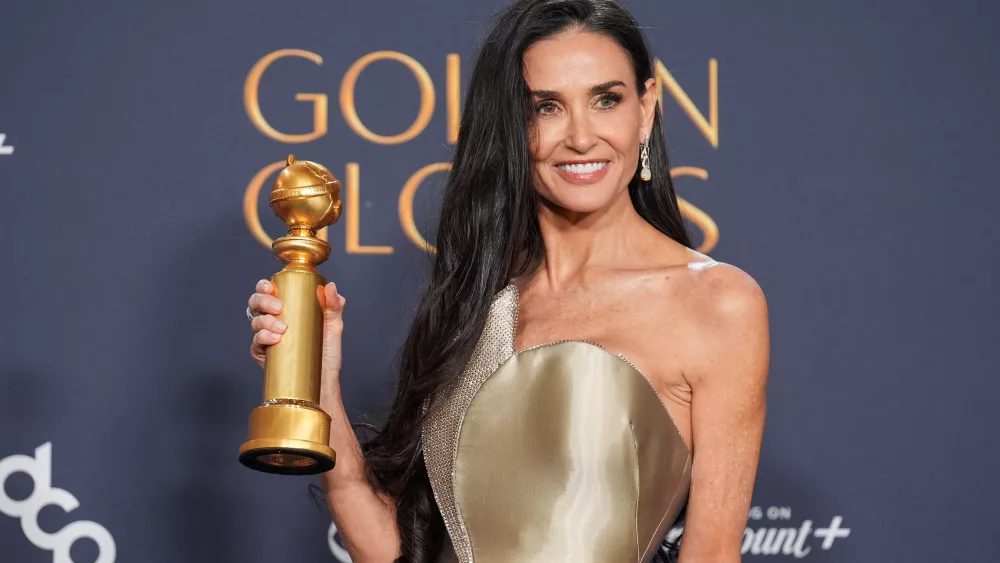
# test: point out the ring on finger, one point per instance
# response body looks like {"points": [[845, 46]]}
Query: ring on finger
{"points": [[250, 316]]}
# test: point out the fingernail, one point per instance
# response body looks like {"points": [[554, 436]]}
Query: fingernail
{"points": [[275, 307], [281, 325], [266, 286]]}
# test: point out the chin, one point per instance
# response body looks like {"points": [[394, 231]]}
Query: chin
{"points": [[581, 198], [573, 198]]}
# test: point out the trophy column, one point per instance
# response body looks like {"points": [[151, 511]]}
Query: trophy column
{"points": [[289, 432]]}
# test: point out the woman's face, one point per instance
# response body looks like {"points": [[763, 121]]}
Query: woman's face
{"points": [[589, 119]]}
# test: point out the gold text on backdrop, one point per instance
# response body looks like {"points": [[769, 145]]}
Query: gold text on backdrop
{"points": [[667, 85]]}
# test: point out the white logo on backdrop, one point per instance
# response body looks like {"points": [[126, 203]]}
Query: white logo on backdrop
{"points": [[770, 531], [5, 149], [39, 468], [778, 538]]}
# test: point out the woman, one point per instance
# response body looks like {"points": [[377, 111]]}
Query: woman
{"points": [[576, 376]]}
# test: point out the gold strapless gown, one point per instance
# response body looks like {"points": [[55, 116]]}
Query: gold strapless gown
{"points": [[562, 452]]}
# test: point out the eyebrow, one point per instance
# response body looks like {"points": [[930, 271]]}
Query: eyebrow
{"points": [[602, 87]]}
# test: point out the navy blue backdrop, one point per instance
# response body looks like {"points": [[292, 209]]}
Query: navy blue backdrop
{"points": [[849, 165]]}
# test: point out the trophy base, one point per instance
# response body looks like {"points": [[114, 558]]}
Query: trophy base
{"points": [[283, 456], [288, 437]]}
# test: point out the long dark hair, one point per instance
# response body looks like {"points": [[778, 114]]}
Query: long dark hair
{"points": [[487, 235]]}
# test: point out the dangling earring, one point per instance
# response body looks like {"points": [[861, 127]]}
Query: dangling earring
{"points": [[646, 173]]}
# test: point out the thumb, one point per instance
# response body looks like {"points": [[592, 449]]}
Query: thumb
{"points": [[332, 303], [333, 327]]}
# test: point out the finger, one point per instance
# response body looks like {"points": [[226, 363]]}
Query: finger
{"points": [[263, 304], [263, 339], [333, 328], [258, 347], [257, 353], [269, 323], [332, 301], [265, 286]]}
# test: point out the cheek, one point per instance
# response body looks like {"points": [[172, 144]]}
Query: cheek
{"points": [[622, 134], [544, 139]]}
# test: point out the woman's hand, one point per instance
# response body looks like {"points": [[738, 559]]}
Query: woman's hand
{"points": [[268, 328], [332, 303]]}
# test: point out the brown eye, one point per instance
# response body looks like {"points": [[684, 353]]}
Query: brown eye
{"points": [[545, 108]]}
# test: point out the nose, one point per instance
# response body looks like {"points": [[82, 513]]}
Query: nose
{"points": [[580, 135]]}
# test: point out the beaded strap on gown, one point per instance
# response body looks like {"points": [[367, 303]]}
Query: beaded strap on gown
{"points": [[561, 452]]}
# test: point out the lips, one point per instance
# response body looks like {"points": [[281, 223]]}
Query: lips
{"points": [[583, 172], [583, 168]]}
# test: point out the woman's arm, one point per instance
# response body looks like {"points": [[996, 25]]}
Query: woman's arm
{"points": [[365, 519], [728, 377]]}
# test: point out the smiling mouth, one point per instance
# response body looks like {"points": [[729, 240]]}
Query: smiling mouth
{"points": [[583, 169], [583, 172]]}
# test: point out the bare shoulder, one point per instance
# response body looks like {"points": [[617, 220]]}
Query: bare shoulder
{"points": [[725, 312], [720, 290]]}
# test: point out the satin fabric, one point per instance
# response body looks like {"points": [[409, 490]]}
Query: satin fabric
{"points": [[562, 452], [567, 454]]}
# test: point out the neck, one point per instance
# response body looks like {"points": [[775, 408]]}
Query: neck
{"points": [[577, 244]]}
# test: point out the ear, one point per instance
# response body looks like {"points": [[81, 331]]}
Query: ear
{"points": [[648, 109]]}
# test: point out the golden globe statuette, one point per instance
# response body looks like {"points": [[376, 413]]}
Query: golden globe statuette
{"points": [[289, 432]]}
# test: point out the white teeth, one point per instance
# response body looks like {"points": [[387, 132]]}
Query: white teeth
{"points": [[588, 168]]}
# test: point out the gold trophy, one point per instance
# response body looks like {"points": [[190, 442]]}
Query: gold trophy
{"points": [[289, 432]]}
